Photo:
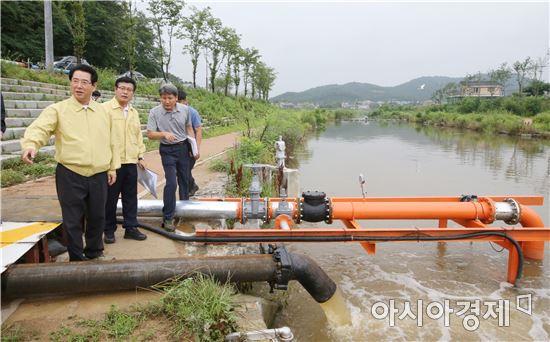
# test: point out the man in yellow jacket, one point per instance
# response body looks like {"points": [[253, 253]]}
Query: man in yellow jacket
{"points": [[130, 141], [87, 158]]}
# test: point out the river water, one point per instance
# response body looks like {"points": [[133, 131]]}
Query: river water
{"points": [[401, 160]]}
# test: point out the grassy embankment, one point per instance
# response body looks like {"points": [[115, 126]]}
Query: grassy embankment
{"points": [[221, 114], [258, 146], [193, 309], [511, 115]]}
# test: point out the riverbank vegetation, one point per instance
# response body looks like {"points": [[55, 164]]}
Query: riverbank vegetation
{"points": [[258, 146], [192, 309], [478, 102], [512, 115]]}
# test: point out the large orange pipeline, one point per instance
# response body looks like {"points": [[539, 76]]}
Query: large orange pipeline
{"points": [[401, 208], [474, 215], [532, 250], [482, 210]]}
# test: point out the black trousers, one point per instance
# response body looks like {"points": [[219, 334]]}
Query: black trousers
{"points": [[190, 179], [175, 161], [82, 201], [126, 184]]}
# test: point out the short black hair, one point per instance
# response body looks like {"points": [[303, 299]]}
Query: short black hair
{"points": [[96, 93], [126, 79], [84, 68], [182, 95]]}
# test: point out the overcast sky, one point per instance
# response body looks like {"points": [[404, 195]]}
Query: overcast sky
{"points": [[317, 43]]}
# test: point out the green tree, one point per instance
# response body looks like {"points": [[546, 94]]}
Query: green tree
{"points": [[230, 45], [165, 18], [213, 50], [129, 24], [450, 89], [22, 35], [536, 71], [522, 69], [237, 63], [537, 88], [194, 28], [263, 78], [79, 31], [145, 48], [250, 58], [501, 75], [72, 15], [106, 33]]}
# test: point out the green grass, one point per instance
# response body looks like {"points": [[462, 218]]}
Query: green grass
{"points": [[151, 145], [15, 333], [117, 325], [200, 307], [197, 308], [14, 171], [15, 71]]}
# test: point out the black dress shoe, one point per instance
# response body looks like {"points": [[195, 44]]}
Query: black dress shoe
{"points": [[109, 238], [135, 234], [194, 190], [55, 247]]}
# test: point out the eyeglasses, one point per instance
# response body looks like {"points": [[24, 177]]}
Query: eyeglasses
{"points": [[128, 89], [76, 81]]}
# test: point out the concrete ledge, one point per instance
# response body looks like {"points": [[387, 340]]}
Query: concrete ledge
{"points": [[33, 96], [30, 89], [13, 81], [27, 104], [13, 133], [22, 113]]}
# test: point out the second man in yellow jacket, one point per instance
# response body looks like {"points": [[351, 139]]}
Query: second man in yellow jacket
{"points": [[130, 141]]}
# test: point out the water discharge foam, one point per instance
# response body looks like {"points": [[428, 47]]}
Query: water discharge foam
{"points": [[336, 310]]}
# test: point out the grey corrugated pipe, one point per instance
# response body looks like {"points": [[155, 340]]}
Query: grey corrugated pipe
{"points": [[85, 277]]}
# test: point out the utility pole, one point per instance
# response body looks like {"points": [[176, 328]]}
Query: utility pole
{"points": [[48, 33]]}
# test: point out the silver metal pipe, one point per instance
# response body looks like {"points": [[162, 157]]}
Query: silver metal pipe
{"points": [[277, 334], [508, 211], [188, 209]]}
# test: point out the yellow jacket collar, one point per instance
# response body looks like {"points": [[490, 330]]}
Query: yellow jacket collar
{"points": [[77, 106]]}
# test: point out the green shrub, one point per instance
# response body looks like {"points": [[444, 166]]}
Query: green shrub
{"points": [[469, 105], [542, 122], [11, 177], [533, 105], [200, 306], [14, 171]]}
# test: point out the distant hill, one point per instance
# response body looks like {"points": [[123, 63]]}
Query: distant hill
{"points": [[419, 89]]}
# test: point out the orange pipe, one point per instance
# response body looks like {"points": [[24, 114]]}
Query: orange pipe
{"points": [[529, 218], [401, 208], [482, 210], [527, 200]]}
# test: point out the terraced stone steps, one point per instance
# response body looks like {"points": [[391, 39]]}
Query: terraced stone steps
{"points": [[25, 100]]}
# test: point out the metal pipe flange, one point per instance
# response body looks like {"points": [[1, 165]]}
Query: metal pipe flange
{"points": [[515, 216]]}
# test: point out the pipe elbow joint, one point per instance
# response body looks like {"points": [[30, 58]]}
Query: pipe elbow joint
{"points": [[312, 277]]}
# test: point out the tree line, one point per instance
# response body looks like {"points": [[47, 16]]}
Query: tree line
{"points": [[528, 71], [116, 35]]}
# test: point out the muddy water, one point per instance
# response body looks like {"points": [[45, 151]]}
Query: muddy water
{"points": [[400, 160]]}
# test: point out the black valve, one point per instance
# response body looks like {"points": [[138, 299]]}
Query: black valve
{"points": [[315, 207], [314, 197]]}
